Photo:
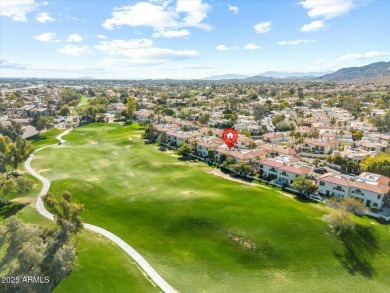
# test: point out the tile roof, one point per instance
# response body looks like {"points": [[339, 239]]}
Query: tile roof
{"points": [[296, 169], [272, 163]]}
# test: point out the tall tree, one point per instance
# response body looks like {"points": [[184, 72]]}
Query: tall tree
{"points": [[131, 107], [259, 111], [301, 184]]}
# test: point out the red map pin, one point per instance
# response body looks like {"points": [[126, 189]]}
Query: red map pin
{"points": [[230, 136]]}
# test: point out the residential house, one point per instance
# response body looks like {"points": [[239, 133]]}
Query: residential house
{"points": [[143, 115], [318, 146], [269, 168], [244, 142], [370, 188], [286, 174], [277, 150], [116, 107]]}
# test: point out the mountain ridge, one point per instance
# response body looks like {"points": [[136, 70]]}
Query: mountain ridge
{"points": [[372, 70]]}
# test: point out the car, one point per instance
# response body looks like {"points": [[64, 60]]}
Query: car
{"points": [[317, 197], [320, 171]]}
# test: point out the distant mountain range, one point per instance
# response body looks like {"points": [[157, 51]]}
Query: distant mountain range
{"points": [[378, 70], [226, 76], [293, 75], [269, 75], [373, 70]]}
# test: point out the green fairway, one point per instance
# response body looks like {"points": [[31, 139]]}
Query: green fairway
{"points": [[202, 232], [84, 101], [45, 138], [101, 265]]}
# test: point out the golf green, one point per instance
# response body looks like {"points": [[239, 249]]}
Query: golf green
{"points": [[202, 232]]}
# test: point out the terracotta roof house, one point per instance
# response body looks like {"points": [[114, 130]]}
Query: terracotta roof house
{"points": [[370, 188]]}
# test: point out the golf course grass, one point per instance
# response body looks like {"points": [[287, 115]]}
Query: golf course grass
{"points": [[101, 265], [204, 233], [45, 138]]}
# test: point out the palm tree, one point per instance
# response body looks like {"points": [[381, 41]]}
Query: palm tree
{"points": [[300, 142], [194, 146], [316, 161], [341, 133]]}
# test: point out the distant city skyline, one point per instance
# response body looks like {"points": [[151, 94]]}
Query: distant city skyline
{"points": [[186, 39]]}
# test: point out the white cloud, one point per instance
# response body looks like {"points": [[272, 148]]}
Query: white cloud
{"points": [[296, 42], [74, 38], [171, 33], [162, 17], [44, 17], [263, 27], [16, 10], [101, 37], [251, 47], [328, 8], [47, 67], [196, 12], [224, 48], [313, 26], [46, 37], [366, 55], [118, 47], [141, 14], [75, 50], [141, 51], [234, 9]]}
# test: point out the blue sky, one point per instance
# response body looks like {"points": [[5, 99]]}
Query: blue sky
{"points": [[188, 38]]}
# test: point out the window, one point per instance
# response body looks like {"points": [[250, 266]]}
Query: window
{"points": [[284, 173], [379, 196], [322, 183], [261, 166]]}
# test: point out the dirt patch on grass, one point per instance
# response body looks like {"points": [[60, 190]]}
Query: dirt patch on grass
{"points": [[287, 194], [102, 163], [187, 192], [92, 142], [24, 200], [243, 241], [130, 174], [171, 153], [278, 276], [226, 176], [40, 171]]}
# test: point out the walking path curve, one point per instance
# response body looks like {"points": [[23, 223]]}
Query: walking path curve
{"points": [[165, 287]]}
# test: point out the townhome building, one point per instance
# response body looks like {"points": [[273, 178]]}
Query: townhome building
{"points": [[244, 142], [177, 137], [371, 189], [277, 150], [206, 145], [269, 168], [318, 146], [356, 155], [274, 138], [143, 115], [286, 174]]}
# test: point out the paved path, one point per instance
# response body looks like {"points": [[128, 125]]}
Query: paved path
{"points": [[122, 244]]}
